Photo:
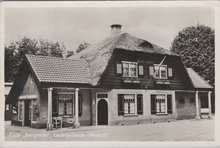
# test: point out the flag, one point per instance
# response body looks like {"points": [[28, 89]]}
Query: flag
{"points": [[156, 72], [158, 67]]}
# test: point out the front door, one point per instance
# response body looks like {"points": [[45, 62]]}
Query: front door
{"points": [[102, 112], [27, 113]]}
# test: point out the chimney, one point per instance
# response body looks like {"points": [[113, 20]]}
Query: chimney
{"points": [[115, 29]]}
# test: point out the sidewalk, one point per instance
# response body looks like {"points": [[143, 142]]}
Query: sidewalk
{"points": [[180, 130]]}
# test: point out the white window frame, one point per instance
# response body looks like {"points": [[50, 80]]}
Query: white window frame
{"points": [[129, 71], [135, 105], [159, 113], [102, 93], [160, 77]]}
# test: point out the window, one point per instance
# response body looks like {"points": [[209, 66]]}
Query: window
{"points": [[100, 95], [129, 69], [65, 104], [161, 104], [20, 110], [160, 72], [129, 104]]}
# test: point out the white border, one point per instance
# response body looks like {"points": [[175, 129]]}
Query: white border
{"points": [[214, 4]]}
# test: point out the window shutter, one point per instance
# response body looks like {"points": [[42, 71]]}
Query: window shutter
{"points": [[141, 70], [151, 70], [118, 68], [170, 72], [120, 104], [80, 105], [153, 104], [169, 104], [140, 104], [55, 105]]}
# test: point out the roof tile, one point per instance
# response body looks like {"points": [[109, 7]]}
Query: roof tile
{"points": [[59, 70]]}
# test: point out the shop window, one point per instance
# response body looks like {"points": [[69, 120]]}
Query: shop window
{"points": [[65, 104]]}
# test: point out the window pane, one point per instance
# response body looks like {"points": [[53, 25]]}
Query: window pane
{"points": [[160, 104], [65, 104], [133, 70], [102, 95], [61, 108], [69, 108], [126, 108], [129, 104], [132, 109], [125, 69], [160, 72], [157, 72]]}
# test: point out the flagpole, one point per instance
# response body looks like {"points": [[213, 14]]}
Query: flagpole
{"points": [[155, 71]]}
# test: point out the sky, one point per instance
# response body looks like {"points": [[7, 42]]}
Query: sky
{"points": [[72, 26]]}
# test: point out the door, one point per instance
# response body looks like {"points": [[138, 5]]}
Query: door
{"points": [[102, 112], [27, 113]]}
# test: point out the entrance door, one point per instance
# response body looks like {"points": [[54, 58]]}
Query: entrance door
{"points": [[27, 113], [102, 112]]}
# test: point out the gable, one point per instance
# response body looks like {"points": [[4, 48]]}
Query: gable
{"points": [[19, 83], [30, 87]]}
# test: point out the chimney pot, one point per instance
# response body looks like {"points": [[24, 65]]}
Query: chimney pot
{"points": [[115, 29]]}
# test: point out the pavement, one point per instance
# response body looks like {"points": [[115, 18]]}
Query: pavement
{"points": [[180, 130]]}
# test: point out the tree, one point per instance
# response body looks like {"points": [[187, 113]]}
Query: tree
{"points": [[196, 46], [82, 46], [69, 53], [15, 52]]}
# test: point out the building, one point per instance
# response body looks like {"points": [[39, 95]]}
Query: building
{"points": [[8, 107], [120, 80]]}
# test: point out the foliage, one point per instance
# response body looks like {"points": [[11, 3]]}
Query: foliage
{"points": [[196, 46], [15, 52], [82, 46], [69, 53]]}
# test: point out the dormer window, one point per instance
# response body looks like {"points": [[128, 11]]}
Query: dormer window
{"points": [[160, 71], [129, 69]]}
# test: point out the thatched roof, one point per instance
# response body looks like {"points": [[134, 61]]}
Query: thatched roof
{"points": [[100, 53]]}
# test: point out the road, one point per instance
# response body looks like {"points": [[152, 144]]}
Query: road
{"points": [[181, 130]]}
